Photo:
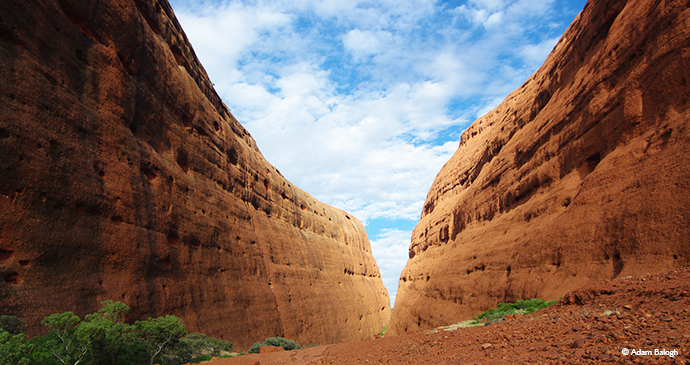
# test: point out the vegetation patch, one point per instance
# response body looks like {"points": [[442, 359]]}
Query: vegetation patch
{"points": [[453, 327], [103, 338], [494, 315], [287, 345], [383, 331]]}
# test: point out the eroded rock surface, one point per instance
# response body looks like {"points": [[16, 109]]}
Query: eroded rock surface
{"points": [[125, 177], [580, 175]]}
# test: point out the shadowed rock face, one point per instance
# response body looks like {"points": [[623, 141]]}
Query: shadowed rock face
{"points": [[125, 177], [580, 175]]}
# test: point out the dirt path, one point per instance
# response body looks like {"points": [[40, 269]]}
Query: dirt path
{"points": [[590, 325]]}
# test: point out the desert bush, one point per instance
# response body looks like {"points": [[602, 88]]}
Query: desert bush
{"points": [[494, 315], [201, 358], [199, 342], [274, 341], [196, 345]]}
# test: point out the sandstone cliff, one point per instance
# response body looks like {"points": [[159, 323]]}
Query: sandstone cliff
{"points": [[580, 175], [125, 177]]}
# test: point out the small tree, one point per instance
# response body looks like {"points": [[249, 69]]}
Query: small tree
{"points": [[73, 345], [108, 331], [160, 333]]}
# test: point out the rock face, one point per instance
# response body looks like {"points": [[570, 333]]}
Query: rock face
{"points": [[580, 175], [125, 177]]}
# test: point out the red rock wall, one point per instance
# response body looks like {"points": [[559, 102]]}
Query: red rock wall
{"points": [[125, 177], [580, 175]]}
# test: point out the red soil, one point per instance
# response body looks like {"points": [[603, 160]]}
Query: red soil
{"points": [[589, 325]]}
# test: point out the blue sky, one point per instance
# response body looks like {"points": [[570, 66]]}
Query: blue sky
{"points": [[361, 102]]}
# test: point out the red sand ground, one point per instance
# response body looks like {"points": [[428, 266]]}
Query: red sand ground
{"points": [[589, 325]]}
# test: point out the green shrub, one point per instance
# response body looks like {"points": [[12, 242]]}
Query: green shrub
{"points": [[198, 342], [494, 315], [201, 358], [274, 341], [196, 345]]}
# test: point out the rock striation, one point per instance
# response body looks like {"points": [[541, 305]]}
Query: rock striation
{"points": [[580, 175], [125, 177]]}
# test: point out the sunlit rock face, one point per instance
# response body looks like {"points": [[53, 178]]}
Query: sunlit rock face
{"points": [[125, 177], [580, 175]]}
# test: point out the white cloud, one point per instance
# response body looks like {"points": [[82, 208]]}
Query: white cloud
{"points": [[481, 16], [531, 8], [390, 248], [221, 34], [488, 4], [535, 54], [360, 103], [367, 43]]}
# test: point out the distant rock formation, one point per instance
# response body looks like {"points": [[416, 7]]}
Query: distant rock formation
{"points": [[125, 177], [580, 175]]}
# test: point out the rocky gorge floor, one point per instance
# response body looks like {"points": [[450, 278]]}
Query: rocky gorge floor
{"points": [[634, 320]]}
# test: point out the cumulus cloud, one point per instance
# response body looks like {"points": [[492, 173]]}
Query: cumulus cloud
{"points": [[360, 103], [221, 34], [367, 43]]}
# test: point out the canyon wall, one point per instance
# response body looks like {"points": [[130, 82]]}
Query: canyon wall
{"points": [[580, 175], [125, 177]]}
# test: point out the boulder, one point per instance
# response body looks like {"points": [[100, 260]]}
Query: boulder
{"points": [[269, 349]]}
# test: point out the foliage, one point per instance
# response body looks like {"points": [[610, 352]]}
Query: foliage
{"points": [[201, 358], [133, 353], [73, 341], [274, 341], [103, 338], [494, 315], [41, 350], [12, 324], [108, 332], [96, 340], [196, 345], [383, 331], [160, 333], [111, 311], [14, 349]]}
